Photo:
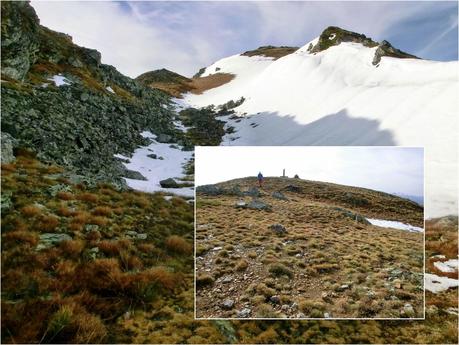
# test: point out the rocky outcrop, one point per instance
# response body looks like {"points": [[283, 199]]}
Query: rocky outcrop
{"points": [[333, 36], [386, 49], [59, 100]]}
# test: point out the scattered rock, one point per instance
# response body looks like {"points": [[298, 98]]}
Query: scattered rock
{"points": [[253, 192], [163, 138], [227, 280], [135, 175], [7, 145], [326, 297], [275, 299], [408, 310], [258, 205], [228, 304], [142, 236], [152, 156], [245, 312], [293, 188], [279, 195], [48, 240], [57, 188], [209, 189], [342, 288], [169, 183], [278, 229]]}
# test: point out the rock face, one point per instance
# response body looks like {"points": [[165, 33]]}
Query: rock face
{"points": [[386, 49], [79, 124], [48, 240]]}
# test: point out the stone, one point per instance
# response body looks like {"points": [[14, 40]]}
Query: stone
{"points": [[57, 188], [245, 312], [209, 190], [300, 316], [217, 248], [279, 195], [285, 307], [342, 288], [258, 205], [327, 315], [91, 227], [6, 202], [48, 240], [275, 299], [241, 204], [408, 310], [7, 145], [228, 304], [169, 183], [163, 138], [293, 188], [142, 236], [227, 280], [253, 192], [326, 297], [134, 175], [398, 284], [371, 294], [152, 156], [279, 229]]}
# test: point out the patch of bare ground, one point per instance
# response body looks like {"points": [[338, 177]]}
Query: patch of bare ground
{"points": [[329, 262], [201, 84], [271, 51]]}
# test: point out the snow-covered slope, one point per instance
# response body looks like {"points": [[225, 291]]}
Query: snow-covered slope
{"points": [[338, 97]]}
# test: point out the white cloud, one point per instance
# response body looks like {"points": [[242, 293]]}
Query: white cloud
{"points": [[125, 41], [140, 36]]}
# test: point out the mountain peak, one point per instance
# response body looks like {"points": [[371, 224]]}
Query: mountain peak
{"points": [[334, 36]]}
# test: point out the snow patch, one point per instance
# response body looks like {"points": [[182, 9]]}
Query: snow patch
{"points": [[109, 89], [395, 225], [332, 37], [338, 97], [436, 284], [447, 266], [155, 170], [59, 80]]}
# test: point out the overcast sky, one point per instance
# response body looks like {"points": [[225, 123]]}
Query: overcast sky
{"points": [[137, 37], [389, 169]]}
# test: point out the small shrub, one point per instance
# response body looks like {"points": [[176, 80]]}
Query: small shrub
{"points": [[278, 270], [48, 223], [204, 279], [102, 211], [72, 248], [88, 197]]}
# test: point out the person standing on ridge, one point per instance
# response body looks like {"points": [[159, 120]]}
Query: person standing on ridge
{"points": [[260, 179]]}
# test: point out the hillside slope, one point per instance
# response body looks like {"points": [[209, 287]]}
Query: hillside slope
{"points": [[343, 88], [329, 262], [61, 101]]}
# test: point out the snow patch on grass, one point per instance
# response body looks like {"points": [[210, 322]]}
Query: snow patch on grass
{"points": [[394, 225], [155, 170], [435, 284], [447, 266], [59, 80]]}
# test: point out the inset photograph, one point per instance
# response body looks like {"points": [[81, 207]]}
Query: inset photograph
{"points": [[309, 232]]}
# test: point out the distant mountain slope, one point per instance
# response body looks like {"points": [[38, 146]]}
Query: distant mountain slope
{"points": [[61, 101], [343, 88]]}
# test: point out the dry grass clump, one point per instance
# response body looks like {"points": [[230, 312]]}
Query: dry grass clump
{"points": [[277, 270], [65, 196], [88, 197], [21, 236], [73, 247], [178, 245], [201, 84], [204, 279], [242, 265], [31, 211]]}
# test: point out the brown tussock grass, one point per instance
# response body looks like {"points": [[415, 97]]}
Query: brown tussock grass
{"points": [[179, 245]]}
